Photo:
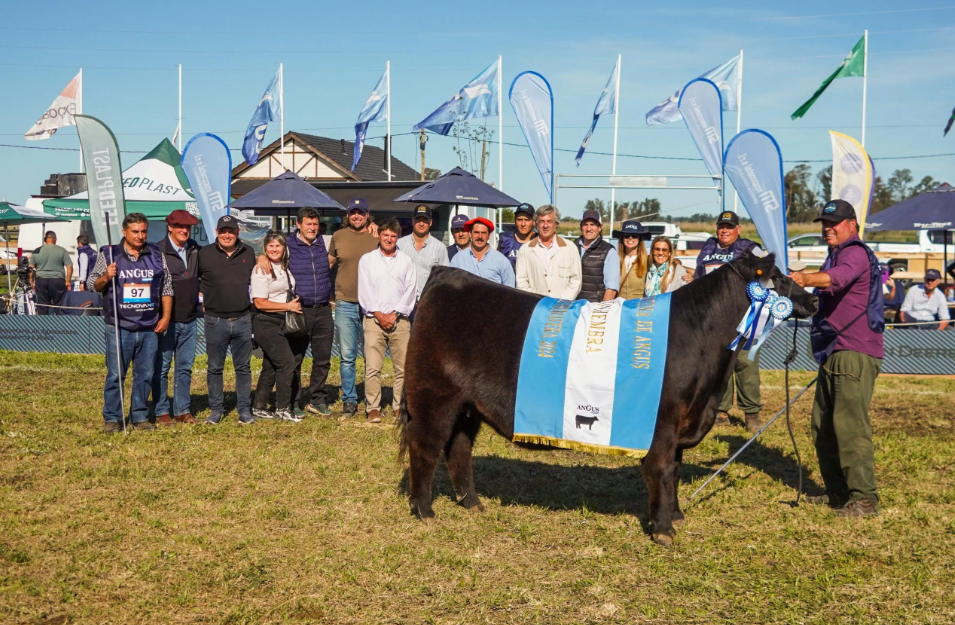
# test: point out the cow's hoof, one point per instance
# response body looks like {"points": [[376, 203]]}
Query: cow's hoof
{"points": [[421, 513], [662, 539], [678, 522], [472, 504]]}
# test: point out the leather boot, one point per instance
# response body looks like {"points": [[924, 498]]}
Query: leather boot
{"points": [[752, 422]]}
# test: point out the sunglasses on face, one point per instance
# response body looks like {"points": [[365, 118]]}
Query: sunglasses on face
{"points": [[661, 249]]}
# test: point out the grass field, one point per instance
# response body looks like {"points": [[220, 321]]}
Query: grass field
{"points": [[309, 522]]}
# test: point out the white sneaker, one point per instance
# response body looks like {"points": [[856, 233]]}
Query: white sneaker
{"points": [[287, 415]]}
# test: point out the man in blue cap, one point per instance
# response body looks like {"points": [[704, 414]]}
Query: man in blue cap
{"points": [[462, 238], [926, 302], [512, 241]]}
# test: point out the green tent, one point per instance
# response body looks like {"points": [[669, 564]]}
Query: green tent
{"points": [[155, 186]]}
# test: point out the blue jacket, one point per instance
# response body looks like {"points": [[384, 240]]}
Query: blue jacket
{"points": [[508, 246], [309, 267]]}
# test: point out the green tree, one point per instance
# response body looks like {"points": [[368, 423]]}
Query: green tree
{"points": [[430, 173], [824, 179], [801, 204], [899, 183], [649, 207], [924, 185], [474, 155], [598, 205], [881, 196], [507, 216]]}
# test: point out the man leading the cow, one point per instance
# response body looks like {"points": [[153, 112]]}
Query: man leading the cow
{"points": [[600, 262], [512, 241], [426, 251], [726, 246], [847, 341], [480, 259], [548, 265]]}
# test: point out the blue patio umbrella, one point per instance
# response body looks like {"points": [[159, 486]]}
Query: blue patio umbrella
{"points": [[283, 194], [459, 187]]}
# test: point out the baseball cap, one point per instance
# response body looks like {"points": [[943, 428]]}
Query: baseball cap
{"points": [[524, 209], [227, 221], [181, 217], [836, 210], [422, 211], [932, 274], [358, 203], [728, 217], [591, 214], [458, 221]]}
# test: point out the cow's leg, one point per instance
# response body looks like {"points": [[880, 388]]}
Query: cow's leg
{"points": [[658, 469], [426, 436], [676, 515], [458, 456]]}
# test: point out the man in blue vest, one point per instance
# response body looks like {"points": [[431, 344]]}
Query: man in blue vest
{"points": [[726, 246], [179, 340], [512, 241], [309, 266], [85, 260], [600, 263], [144, 297]]}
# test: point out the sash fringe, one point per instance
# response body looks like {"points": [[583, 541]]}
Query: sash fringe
{"points": [[576, 446]]}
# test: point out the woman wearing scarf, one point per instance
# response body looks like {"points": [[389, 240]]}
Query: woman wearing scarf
{"points": [[633, 259], [665, 273]]}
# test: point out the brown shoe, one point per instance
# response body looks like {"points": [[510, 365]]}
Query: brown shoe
{"points": [[144, 425], [752, 422], [722, 418], [184, 418], [374, 416], [112, 427], [860, 508], [164, 420]]}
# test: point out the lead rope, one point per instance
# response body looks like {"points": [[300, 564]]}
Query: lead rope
{"points": [[790, 358]]}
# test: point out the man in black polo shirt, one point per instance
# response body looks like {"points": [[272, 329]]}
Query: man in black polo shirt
{"points": [[225, 270]]}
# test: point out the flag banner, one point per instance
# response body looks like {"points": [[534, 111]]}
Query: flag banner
{"points": [[267, 111], [476, 99], [591, 374], [754, 165], [948, 126], [207, 164], [61, 112], [725, 76], [104, 179], [852, 65], [533, 103], [853, 175], [702, 110], [375, 109], [606, 103]]}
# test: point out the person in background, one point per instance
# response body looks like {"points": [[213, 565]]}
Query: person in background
{"points": [[480, 259], [181, 254], [600, 263], [271, 290], [847, 341], [893, 293], [633, 259], [548, 265], [225, 271], [144, 295], [54, 273], [666, 274], [426, 251], [512, 241], [461, 237], [323, 232], [727, 246], [926, 302], [85, 260], [387, 292], [348, 246]]}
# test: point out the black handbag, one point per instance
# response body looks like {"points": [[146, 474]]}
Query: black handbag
{"points": [[294, 326]]}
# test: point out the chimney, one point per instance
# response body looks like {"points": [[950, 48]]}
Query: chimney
{"points": [[343, 147]]}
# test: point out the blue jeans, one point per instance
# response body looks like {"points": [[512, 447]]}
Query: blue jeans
{"points": [[348, 327], [138, 348], [179, 340], [221, 334]]}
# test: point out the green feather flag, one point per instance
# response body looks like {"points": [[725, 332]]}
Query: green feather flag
{"points": [[853, 65]]}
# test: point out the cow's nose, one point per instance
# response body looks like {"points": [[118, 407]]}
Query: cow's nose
{"points": [[815, 303]]}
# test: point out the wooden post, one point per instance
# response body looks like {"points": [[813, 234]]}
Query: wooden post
{"points": [[423, 141]]}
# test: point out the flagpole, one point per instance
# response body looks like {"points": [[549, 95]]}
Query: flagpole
{"points": [[616, 117], [739, 116], [865, 78], [80, 112], [180, 109], [282, 112], [388, 113], [500, 135]]}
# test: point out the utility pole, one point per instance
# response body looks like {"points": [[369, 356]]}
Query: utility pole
{"points": [[424, 140], [483, 157]]}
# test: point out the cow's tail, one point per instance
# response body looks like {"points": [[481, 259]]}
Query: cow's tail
{"points": [[402, 425]]}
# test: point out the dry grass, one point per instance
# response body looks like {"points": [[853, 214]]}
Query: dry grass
{"points": [[309, 523]]}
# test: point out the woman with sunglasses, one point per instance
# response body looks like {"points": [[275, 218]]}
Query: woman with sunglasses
{"points": [[665, 274], [633, 259]]}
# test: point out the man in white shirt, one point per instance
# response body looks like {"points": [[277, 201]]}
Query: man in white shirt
{"points": [[425, 250], [548, 265], [386, 293], [925, 302]]}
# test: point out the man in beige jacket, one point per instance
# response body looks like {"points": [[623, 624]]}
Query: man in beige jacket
{"points": [[548, 265]]}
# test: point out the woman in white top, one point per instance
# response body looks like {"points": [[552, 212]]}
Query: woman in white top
{"points": [[665, 274], [270, 295]]}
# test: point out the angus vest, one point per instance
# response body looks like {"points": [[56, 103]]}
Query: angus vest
{"points": [[138, 288]]}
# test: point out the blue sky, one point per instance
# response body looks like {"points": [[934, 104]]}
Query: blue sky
{"points": [[334, 55]]}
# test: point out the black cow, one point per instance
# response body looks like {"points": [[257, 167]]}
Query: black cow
{"points": [[461, 374], [585, 420]]}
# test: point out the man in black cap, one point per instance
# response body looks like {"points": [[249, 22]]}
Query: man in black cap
{"points": [[426, 251], [847, 342], [225, 271], [926, 302], [510, 242], [179, 339], [462, 238], [600, 263], [726, 246]]}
